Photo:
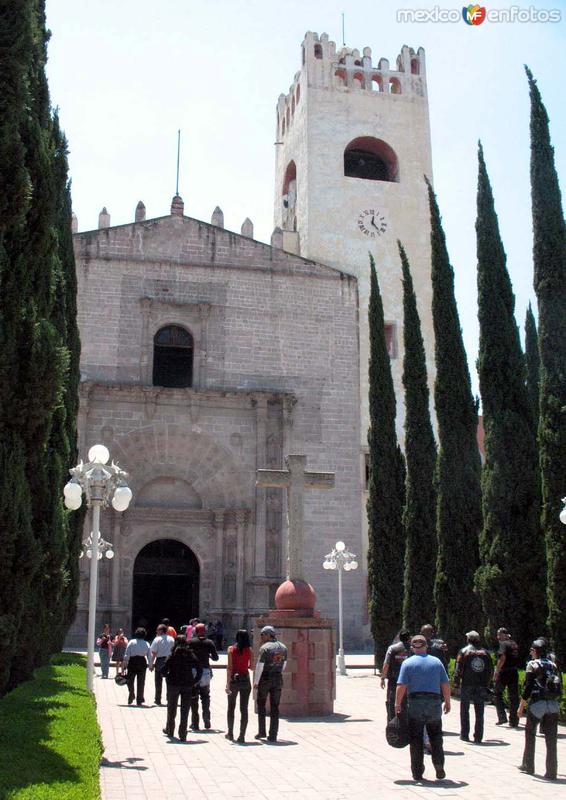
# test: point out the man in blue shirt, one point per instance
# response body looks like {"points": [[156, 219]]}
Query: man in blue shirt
{"points": [[424, 681]]}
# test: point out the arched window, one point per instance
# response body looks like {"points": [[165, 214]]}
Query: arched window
{"points": [[290, 175], [376, 83], [394, 86], [358, 80], [318, 51], [340, 74], [173, 349], [414, 66], [371, 159]]}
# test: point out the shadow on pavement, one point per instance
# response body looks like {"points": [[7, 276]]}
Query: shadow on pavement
{"points": [[187, 741], [540, 779], [329, 718], [445, 784], [125, 763], [453, 753], [280, 743], [493, 743]]}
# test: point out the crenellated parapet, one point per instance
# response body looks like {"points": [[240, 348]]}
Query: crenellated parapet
{"points": [[347, 70]]}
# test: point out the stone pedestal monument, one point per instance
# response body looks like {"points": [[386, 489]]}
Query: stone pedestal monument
{"points": [[310, 677]]}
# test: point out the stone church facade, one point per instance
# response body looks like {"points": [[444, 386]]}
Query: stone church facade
{"points": [[205, 356]]}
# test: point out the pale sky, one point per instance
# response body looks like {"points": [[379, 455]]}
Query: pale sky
{"points": [[127, 75]]}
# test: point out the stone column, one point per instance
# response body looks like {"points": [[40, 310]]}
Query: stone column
{"points": [[204, 313], [260, 493], [217, 526], [115, 575], [240, 561], [145, 307]]}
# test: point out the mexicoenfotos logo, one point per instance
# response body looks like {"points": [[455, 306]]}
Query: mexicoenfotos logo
{"points": [[473, 15]]}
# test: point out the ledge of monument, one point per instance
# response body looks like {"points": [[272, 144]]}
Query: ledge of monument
{"points": [[281, 620]]}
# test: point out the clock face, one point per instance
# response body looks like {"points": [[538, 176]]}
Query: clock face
{"points": [[372, 223]]}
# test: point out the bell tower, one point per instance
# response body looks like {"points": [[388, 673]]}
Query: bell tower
{"points": [[353, 147]]}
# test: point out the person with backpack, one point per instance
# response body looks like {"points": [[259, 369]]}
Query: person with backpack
{"points": [[182, 672], [472, 673], [542, 690], [396, 653]]}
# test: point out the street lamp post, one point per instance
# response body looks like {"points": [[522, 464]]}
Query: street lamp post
{"points": [[101, 483], [340, 559]]}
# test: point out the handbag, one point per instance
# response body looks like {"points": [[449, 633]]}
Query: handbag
{"points": [[397, 730], [121, 679]]}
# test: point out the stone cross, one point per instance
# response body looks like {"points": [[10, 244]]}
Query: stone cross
{"points": [[295, 479]]}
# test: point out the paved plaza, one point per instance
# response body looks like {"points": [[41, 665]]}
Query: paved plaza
{"points": [[330, 758]]}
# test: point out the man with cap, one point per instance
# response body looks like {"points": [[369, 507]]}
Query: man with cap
{"points": [[268, 680], [506, 676], [204, 650], [424, 681], [472, 673]]}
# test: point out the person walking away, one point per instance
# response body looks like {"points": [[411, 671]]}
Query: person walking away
{"points": [[435, 646], [119, 644], [424, 681], [181, 671], [506, 676], [219, 634], [542, 690], [268, 680], [104, 644], [161, 648], [137, 658], [238, 682], [396, 653], [204, 650], [170, 629], [472, 673]]}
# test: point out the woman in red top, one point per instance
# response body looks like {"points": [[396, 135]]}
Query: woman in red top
{"points": [[238, 682]]}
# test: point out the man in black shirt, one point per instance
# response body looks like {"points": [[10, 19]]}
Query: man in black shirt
{"points": [[394, 657], [436, 646], [473, 673], [506, 676], [204, 650]]}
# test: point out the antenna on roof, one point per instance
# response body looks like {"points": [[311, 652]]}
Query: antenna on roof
{"points": [[343, 33], [178, 154]]}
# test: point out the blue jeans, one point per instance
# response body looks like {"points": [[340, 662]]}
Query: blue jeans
{"points": [[425, 712], [472, 695], [104, 661]]}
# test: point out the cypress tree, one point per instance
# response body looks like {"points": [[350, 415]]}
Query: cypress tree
{"points": [[386, 486], [458, 515], [532, 360], [549, 259], [419, 517], [34, 338], [510, 579]]}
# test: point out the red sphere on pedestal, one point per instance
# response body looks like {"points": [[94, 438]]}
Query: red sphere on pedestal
{"points": [[295, 595]]}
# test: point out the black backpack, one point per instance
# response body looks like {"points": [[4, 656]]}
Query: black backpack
{"points": [[548, 683]]}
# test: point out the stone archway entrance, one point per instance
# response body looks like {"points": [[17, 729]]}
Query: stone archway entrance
{"points": [[166, 584]]}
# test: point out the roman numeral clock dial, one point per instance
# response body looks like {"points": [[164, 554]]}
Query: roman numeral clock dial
{"points": [[372, 223]]}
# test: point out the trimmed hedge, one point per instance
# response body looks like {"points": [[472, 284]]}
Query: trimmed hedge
{"points": [[51, 744]]}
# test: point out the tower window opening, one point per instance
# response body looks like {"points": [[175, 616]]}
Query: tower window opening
{"points": [[173, 349], [357, 63], [318, 51], [394, 86], [341, 75], [377, 83], [371, 159], [414, 66], [358, 80]]}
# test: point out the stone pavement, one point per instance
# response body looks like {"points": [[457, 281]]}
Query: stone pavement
{"points": [[344, 756]]}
